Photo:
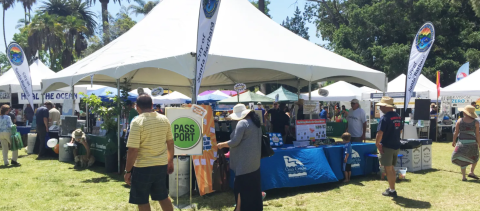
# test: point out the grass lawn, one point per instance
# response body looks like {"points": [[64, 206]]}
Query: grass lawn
{"points": [[52, 185]]}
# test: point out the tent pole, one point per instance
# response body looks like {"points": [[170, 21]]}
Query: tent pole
{"points": [[73, 99], [118, 125], [310, 94], [10, 92]]}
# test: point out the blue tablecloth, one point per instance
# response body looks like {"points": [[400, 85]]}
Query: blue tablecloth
{"points": [[24, 129], [360, 166], [293, 168]]}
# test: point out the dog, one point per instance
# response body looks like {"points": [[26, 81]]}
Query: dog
{"points": [[84, 161]]}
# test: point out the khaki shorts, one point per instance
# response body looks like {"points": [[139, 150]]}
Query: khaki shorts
{"points": [[389, 157]]}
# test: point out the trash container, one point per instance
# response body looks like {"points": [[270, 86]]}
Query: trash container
{"points": [[32, 138], [183, 177], [412, 154], [65, 154], [426, 154]]}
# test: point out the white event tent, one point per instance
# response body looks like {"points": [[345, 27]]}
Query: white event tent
{"points": [[259, 93], [38, 71], [465, 87], [338, 91], [423, 85], [172, 98], [247, 47]]}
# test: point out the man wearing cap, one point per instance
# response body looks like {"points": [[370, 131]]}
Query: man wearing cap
{"points": [[259, 104], [357, 122], [149, 156], [42, 117], [79, 136], [388, 141]]}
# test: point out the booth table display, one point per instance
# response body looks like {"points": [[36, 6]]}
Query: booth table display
{"points": [[100, 146], [336, 129], [309, 166]]}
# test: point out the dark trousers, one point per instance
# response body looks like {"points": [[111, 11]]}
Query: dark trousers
{"points": [[41, 133]]}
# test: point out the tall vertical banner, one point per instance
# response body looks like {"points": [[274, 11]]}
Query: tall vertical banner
{"points": [[207, 20], [19, 62], [422, 44], [438, 84], [463, 71]]}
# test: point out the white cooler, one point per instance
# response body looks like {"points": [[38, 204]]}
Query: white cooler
{"points": [[412, 159], [32, 138]]}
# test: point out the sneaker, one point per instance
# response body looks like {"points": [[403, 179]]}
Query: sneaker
{"points": [[15, 163], [390, 193]]}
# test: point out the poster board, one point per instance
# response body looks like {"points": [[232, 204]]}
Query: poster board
{"points": [[311, 107], [186, 130], [365, 105], [311, 129]]}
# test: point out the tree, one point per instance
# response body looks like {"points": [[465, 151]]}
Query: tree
{"points": [[75, 8], [27, 5], [297, 25], [105, 13], [379, 34], [6, 4], [4, 63], [142, 7], [265, 11]]}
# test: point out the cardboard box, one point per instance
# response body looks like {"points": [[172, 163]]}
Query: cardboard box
{"points": [[412, 159], [426, 154]]}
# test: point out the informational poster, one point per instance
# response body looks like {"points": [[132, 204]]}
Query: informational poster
{"points": [[311, 129], [276, 139], [365, 105], [203, 172], [54, 97], [187, 131], [311, 107], [4, 97]]}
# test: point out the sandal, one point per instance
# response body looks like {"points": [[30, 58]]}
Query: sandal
{"points": [[473, 176], [464, 179]]}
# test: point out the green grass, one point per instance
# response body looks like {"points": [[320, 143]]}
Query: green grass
{"points": [[52, 185]]}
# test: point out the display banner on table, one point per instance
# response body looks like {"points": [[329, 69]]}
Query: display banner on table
{"points": [[422, 44], [311, 107], [207, 20], [204, 163], [54, 97], [463, 71], [186, 130], [19, 63], [311, 129]]}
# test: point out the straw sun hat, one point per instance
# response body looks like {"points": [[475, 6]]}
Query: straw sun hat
{"points": [[387, 102], [240, 111], [470, 111]]}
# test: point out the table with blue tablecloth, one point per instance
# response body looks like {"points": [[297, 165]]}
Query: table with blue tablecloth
{"points": [[23, 130], [308, 166]]}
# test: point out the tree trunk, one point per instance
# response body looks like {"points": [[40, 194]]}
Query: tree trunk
{"points": [[261, 6], [25, 20], [105, 21], [4, 38]]}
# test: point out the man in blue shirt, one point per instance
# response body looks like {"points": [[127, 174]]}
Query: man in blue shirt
{"points": [[42, 116], [388, 141], [259, 104], [324, 113]]}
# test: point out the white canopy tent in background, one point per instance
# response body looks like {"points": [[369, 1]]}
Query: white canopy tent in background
{"points": [[423, 85], [237, 55], [146, 90], [38, 71], [338, 91], [172, 98], [468, 86], [259, 93], [220, 93]]}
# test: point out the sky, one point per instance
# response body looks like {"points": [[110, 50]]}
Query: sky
{"points": [[279, 10]]}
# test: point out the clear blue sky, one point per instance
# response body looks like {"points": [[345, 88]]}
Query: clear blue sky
{"points": [[279, 10]]}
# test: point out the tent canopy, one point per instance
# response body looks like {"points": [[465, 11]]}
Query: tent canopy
{"points": [[109, 92], [211, 98], [283, 95], [172, 98], [259, 93], [38, 71], [145, 55], [423, 85], [465, 87], [339, 91], [247, 97], [226, 92]]}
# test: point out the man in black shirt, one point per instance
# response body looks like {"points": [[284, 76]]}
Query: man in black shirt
{"points": [[300, 115], [42, 116], [278, 120]]}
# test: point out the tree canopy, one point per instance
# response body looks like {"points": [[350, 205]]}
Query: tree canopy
{"points": [[297, 24], [379, 33]]}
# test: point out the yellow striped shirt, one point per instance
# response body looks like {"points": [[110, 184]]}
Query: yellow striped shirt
{"points": [[149, 133]]}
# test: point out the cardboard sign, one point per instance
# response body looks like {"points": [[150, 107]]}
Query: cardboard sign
{"points": [[186, 130]]}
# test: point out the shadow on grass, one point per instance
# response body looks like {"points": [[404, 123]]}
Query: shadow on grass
{"points": [[411, 203], [96, 180], [426, 171], [9, 166]]}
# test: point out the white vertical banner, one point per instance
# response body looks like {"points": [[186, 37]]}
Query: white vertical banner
{"points": [[206, 25], [19, 62], [421, 46]]}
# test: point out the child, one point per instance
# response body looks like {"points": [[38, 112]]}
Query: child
{"points": [[347, 161]]}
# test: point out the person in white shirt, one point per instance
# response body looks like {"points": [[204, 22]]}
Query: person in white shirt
{"points": [[357, 122]]}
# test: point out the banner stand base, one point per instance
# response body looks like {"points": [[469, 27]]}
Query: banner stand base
{"points": [[185, 206]]}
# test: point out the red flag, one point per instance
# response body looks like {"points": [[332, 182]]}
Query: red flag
{"points": [[438, 84]]}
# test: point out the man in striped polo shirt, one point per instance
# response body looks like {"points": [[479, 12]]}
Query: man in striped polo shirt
{"points": [[149, 157]]}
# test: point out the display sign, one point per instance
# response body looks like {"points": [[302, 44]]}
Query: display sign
{"points": [[19, 63], [323, 92], [186, 130], [54, 97], [390, 94], [157, 91], [240, 87], [365, 105], [276, 139], [311, 129], [311, 107], [4, 96]]}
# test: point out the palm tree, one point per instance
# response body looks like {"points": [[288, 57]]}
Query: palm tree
{"points": [[105, 14], [23, 22], [27, 5], [75, 8], [142, 7], [6, 4]]}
